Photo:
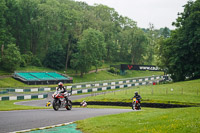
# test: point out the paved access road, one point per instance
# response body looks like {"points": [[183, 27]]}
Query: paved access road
{"points": [[11, 121]]}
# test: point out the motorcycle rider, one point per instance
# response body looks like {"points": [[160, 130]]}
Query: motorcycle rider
{"points": [[83, 104], [63, 90], [137, 96]]}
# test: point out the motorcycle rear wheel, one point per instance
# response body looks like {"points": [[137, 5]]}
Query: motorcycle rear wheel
{"points": [[69, 105], [55, 105]]}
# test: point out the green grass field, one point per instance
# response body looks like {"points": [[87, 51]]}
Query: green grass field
{"points": [[149, 120], [104, 75], [176, 120], [9, 105], [10, 82], [187, 92]]}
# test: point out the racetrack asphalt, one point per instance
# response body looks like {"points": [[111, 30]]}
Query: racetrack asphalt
{"points": [[42, 103], [11, 121]]}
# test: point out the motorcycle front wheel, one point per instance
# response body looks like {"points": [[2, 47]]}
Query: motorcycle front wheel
{"points": [[56, 105], [69, 105], [133, 106]]}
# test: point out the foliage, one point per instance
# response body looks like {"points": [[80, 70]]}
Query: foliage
{"points": [[133, 43], [11, 58], [54, 28], [114, 70], [55, 58], [36, 61], [5, 36], [91, 50], [30, 59], [180, 53]]}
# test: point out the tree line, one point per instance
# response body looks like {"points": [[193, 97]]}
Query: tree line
{"points": [[180, 53], [63, 33]]}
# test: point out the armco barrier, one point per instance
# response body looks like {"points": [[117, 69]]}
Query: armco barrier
{"points": [[112, 83], [24, 97], [31, 90], [73, 92], [106, 83], [95, 89]]}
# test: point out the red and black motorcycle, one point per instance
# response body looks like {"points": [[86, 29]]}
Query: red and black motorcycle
{"points": [[136, 104], [60, 101]]}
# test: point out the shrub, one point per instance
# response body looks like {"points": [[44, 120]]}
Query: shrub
{"points": [[36, 61], [112, 70], [11, 58]]}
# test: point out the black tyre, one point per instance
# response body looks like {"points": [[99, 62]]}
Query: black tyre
{"points": [[69, 105], [139, 106], [56, 105], [133, 106]]}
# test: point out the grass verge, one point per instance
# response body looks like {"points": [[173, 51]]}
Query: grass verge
{"points": [[9, 105], [186, 93], [104, 75], [9, 82], [148, 120]]}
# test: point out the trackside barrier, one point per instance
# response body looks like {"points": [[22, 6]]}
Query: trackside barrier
{"points": [[95, 89], [87, 85], [31, 90], [122, 81], [111, 85], [77, 91], [23, 97]]}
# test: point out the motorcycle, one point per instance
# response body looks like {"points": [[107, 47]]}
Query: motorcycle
{"points": [[83, 104], [136, 104], [60, 101], [48, 104]]}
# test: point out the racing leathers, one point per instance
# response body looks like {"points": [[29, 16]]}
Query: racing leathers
{"points": [[137, 96], [63, 90]]}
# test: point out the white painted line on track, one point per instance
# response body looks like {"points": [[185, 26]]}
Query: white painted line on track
{"points": [[42, 128]]}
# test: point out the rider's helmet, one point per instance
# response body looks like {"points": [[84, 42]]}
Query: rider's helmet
{"points": [[136, 93], [60, 85]]}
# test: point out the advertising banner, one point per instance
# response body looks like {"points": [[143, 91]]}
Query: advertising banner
{"points": [[139, 67]]}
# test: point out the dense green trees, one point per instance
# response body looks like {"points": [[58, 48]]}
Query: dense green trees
{"points": [[180, 53], [11, 58], [51, 32], [55, 58], [91, 50], [65, 33]]}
